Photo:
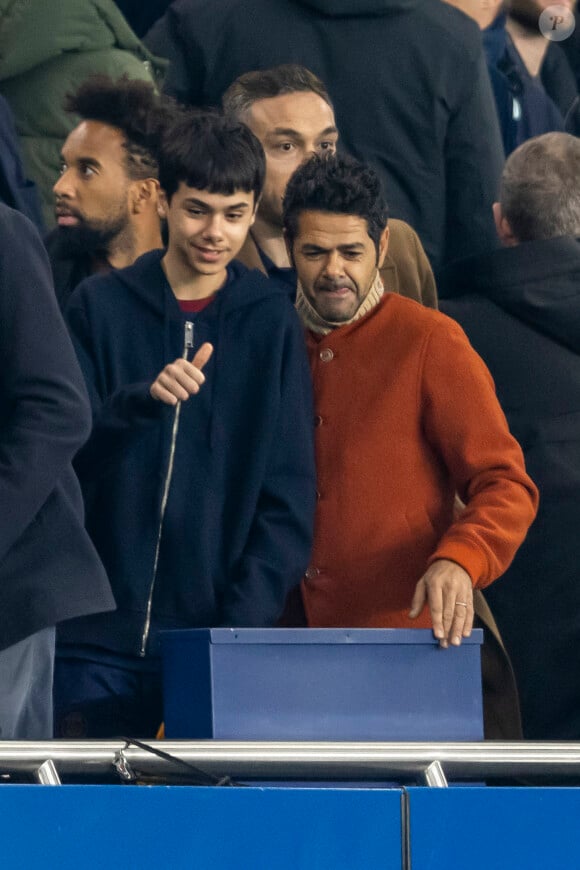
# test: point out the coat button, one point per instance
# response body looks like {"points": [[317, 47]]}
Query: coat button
{"points": [[311, 573], [318, 421], [326, 355]]}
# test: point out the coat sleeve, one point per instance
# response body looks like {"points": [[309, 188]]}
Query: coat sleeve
{"points": [[45, 416], [280, 539], [115, 415], [466, 426], [474, 160]]}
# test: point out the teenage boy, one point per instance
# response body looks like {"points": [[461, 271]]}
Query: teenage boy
{"points": [[199, 474]]}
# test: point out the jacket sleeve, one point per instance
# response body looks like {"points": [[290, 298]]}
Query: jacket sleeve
{"points": [[45, 416], [474, 159], [115, 415], [280, 539], [465, 425]]}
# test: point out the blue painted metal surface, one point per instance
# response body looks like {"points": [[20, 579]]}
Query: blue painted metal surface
{"points": [[155, 827], [321, 684], [495, 829]]}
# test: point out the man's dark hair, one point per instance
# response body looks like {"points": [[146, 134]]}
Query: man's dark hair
{"points": [[338, 185], [127, 104], [209, 152], [289, 78]]}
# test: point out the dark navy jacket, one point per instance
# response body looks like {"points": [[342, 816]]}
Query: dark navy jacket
{"points": [[237, 529], [49, 570], [520, 308]]}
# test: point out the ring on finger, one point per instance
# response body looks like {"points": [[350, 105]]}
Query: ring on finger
{"points": [[461, 604]]}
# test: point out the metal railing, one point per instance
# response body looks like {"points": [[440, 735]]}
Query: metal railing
{"points": [[429, 763]]}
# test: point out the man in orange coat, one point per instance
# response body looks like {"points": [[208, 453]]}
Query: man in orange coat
{"points": [[406, 418]]}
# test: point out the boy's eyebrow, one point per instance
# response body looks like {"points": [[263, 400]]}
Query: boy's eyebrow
{"points": [[191, 200]]}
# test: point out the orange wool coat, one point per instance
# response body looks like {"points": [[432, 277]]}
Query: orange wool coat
{"points": [[406, 416]]}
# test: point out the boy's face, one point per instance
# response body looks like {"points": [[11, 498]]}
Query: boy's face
{"points": [[206, 230]]}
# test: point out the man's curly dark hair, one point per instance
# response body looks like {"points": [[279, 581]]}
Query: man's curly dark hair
{"points": [[129, 105], [338, 185]]}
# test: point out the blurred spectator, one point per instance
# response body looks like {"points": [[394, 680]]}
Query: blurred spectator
{"points": [[49, 570], [520, 307], [407, 79], [107, 196], [47, 48], [15, 189], [545, 60], [289, 110], [524, 108]]}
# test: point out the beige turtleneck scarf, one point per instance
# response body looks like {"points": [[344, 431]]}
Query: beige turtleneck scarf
{"points": [[312, 319]]}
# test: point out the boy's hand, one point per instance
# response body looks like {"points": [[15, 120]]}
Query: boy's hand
{"points": [[181, 379]]}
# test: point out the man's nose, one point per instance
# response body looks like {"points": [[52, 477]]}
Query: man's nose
{"points": [[63, 185], [334, 266]]}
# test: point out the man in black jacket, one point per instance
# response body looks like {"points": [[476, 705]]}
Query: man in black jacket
{"points": [[520, 307], [408, 82], [49, 570]]}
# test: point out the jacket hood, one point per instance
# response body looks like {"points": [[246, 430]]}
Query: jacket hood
{"points": [[358, 8], [35, 31], [244, 286], [536, 282]]}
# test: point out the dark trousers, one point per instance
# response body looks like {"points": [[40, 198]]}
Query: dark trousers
{"points": [[104, 699]]}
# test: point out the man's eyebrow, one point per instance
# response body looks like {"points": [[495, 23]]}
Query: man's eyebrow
{"points": [[284, 131], [86, 161], [329, 131]]}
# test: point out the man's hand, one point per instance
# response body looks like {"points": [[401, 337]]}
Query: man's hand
{"points": [[448, 590], [181, 379]]}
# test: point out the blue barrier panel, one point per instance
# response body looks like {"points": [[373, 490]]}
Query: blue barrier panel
{"points": [[494, 828], [320, 684], [158, 827]]}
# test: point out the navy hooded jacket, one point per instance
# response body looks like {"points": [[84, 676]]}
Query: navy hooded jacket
{"points": [[237, 528]]}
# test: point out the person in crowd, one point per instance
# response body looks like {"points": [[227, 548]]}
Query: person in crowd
{"points": [[106, 198], [544, 59], [48, 48], [524, 108], [392, 68], [198, 477], [289, 110], [49, 570], [520, 307], [406, 417]]}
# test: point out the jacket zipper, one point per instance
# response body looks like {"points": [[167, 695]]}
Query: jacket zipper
{"points": [[187, 345]]}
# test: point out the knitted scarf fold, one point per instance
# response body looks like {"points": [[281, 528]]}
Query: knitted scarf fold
{"points": [[312, 319]]}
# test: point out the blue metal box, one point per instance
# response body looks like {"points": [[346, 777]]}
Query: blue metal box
{"points": [[320, 684]]}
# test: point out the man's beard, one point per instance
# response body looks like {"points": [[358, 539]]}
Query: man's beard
{"points": [[526, 13], [88, 239]]}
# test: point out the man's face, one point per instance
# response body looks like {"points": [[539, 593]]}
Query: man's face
{"points": [[291, 128], [91, 195], [336, 262], [206, 230]]}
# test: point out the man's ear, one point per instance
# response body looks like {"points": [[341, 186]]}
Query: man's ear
{"points": [[288, 249], [383, 247], [502, 227], [144, 194]]}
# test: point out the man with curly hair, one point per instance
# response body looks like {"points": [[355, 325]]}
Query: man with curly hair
{"points": [[106, 199]]}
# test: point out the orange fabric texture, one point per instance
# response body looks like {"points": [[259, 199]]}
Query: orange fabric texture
{"points": [[406, 416]]}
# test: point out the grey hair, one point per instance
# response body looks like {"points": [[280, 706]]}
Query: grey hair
{"points": [[540, 188], [288, 78]]}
